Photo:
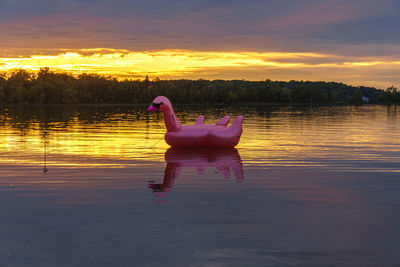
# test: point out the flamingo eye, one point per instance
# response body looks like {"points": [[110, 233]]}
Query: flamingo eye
{"points": [[157, 105]]}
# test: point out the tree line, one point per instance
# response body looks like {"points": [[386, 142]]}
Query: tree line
{"points": [[49, 87]]}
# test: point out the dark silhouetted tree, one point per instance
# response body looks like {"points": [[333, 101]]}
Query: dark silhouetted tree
{"points": [[21, 86]]}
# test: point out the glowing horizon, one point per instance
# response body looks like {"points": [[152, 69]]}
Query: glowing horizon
{"points": [[178, 64]]}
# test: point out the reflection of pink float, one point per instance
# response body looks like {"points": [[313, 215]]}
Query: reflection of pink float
{"points": [[225, 160], [199, 134]]}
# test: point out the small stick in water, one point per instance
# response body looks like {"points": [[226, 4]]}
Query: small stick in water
{"points": [[45, 154]]}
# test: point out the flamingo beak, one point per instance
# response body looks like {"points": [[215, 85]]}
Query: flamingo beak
{"points": [[151, 108], [154, 106]]}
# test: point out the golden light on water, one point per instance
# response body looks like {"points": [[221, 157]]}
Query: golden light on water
{"points": [[105, 153], [83, 146], [283, 139]]}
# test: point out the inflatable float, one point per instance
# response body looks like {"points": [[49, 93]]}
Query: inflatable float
{"points": [[199, 134]]}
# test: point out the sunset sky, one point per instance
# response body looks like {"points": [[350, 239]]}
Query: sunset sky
{"points": [[351, 41]]}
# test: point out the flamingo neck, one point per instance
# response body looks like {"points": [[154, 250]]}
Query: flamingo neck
{"points": [[171, 121]]}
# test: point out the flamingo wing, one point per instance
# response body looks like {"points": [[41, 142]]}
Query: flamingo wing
{"points": [[224, 121]]}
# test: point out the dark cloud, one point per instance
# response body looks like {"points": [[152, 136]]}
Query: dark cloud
{"points": [[14, 10], [367, 30], [293, 25]]}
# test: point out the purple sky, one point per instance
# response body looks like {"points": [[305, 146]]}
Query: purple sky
{"points": [[354, 28]]}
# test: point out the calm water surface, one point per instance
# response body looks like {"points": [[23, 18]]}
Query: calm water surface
{"points": [[98, 186]]}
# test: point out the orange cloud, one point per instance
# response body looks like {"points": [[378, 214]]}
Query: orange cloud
{"points": [[175, 64]]}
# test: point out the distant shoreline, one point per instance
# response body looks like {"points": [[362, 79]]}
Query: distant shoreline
{"points": [[48, 87], [246, 104]]}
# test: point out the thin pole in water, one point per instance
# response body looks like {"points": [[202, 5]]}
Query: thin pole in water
{"points": [[45, 153]]}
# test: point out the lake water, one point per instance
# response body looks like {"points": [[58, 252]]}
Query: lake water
{"points": [[98, 186]]}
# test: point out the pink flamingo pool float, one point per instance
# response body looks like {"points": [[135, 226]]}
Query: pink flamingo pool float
{"points": [[199, 134]]}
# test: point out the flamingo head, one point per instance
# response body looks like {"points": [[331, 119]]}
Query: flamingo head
{"points": [[159, 103]]}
